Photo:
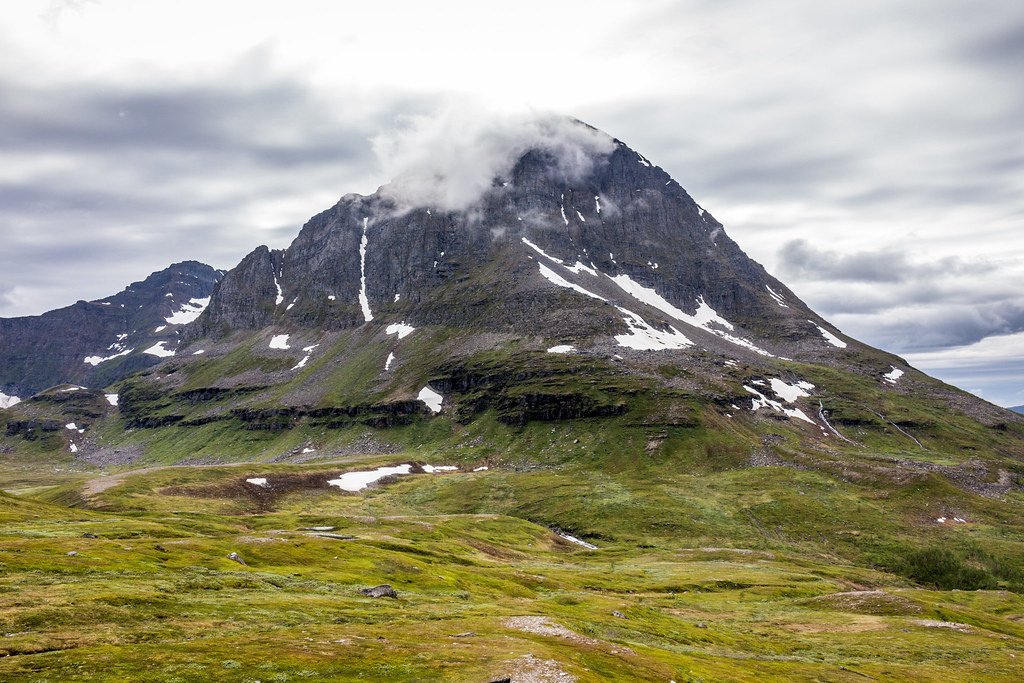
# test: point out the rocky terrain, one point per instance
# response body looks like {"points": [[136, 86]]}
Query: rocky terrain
{"points": [[98, 342]]}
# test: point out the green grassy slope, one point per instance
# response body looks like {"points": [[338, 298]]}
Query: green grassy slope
{"points": [[702, 572]]}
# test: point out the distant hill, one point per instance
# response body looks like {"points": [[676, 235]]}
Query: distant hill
{"points": [[98, 342], [1018, 409]]}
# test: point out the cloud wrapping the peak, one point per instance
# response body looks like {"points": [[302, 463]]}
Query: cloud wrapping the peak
{"points": [[449, 159]]}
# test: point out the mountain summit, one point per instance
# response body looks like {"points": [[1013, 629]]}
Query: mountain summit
{"points": [[607, 246]]}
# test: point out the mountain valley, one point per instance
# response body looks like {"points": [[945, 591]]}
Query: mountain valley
{"points": [[578, 432]]}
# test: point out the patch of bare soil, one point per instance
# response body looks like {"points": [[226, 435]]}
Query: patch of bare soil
{"points": [[951, 625], [530, 669], [100, 484], [875, 602], [860, 623], [543, 626], [262, 498]]}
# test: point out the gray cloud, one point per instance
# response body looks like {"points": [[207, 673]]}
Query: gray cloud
{"points": [[916, 329], [800, 260], [105, 185]]}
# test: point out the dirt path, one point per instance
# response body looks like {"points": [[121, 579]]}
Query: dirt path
{"points": [[101, 484]]}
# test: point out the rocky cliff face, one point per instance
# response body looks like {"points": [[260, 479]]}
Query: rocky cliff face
{"points": [[96, 342], [624, 227]]}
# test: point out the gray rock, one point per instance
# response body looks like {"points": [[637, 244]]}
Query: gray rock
{"points": [[381, 591], [618, 614], [237, 558]]}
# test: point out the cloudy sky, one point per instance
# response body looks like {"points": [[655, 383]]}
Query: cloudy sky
{"points": [[869, 153]]}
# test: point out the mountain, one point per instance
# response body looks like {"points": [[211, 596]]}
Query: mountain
{"points": [[1017, 409], [557, 294], [537, 418], [99, 342], [579, 281]]}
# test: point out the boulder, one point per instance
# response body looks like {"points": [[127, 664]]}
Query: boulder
{"points": [[381, 591]]}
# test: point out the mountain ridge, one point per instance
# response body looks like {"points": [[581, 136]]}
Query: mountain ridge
{"points": [[101, 341]]}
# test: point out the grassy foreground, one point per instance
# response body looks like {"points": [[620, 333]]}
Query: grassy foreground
{"points": [[727, 574]]}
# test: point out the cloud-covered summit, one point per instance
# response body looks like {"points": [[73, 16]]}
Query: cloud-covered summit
{"points": [[450, 158]]}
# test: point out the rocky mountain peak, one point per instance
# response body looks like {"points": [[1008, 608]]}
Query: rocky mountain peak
{"points": [[563, 233]]}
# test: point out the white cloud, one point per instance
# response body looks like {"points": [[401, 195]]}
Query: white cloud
{"points": [[448, 159]]}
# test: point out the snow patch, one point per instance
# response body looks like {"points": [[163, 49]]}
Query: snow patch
{"points": [[762, 401], [482, 468], [188, 312], [431, 398], [111, 398], [364, 302], [305, 359], [331, 297], [540, 251], [562, 208], [705, 317], [7, 401], [279, 341], [790, 392], [258, 481], [829, 337], [430, 469], [577, 541], [562, 348], [580, 267], [72, 426], [389, 361], [402, 329], [776, 297], [159, 351], [597, 203], [161, 328], [643, 337], [356, 481], [280, 294], [560, 281], [580, 216], [96, 360], [893, 375], [74, 448], [199, 352]]}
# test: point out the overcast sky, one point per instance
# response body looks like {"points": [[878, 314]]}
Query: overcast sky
{"points": [[869, 153]]}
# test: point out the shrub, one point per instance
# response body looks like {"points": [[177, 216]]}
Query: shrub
{"points": [[939, 568]]}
